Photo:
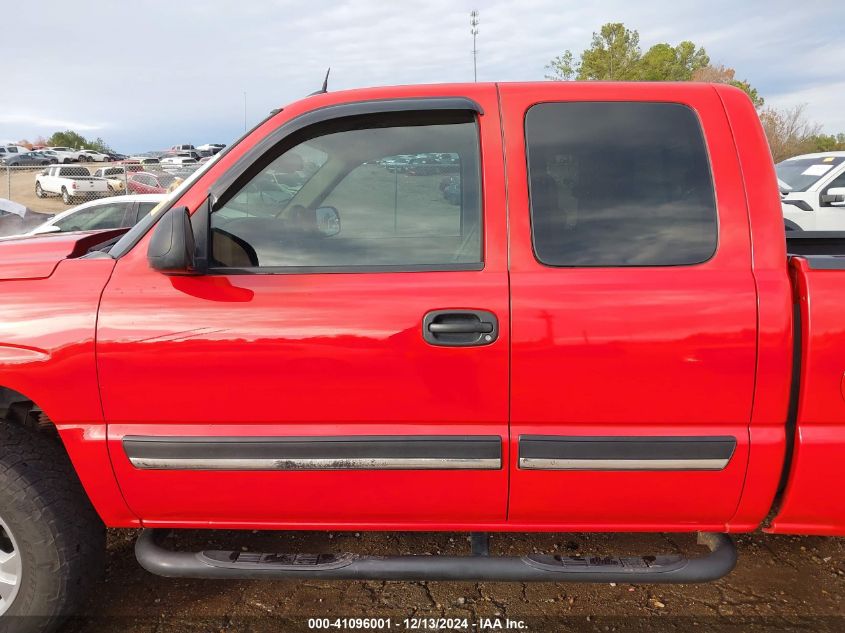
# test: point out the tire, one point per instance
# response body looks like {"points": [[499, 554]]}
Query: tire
{"points": [[49, 522], [65, 161], [39, 192], [66, 198]]}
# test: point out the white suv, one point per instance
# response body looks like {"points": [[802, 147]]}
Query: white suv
{"points": [[812, 190]]}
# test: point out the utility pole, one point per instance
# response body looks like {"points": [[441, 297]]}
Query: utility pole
{"points": [[473, 22]]}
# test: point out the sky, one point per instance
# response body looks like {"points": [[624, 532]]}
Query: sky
{"points": [[148, 75]]}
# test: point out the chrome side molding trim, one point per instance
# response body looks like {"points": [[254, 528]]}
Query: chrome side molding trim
{"points": [[559, 452], [529, 463], [379, 452], [383, 463]]}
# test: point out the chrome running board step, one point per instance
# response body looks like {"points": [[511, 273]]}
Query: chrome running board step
{"points": [[669, 568]]}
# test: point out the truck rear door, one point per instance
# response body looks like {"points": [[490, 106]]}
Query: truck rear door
{"points": [[633, 308], [345, 360]]}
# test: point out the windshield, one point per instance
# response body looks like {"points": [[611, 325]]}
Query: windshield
{"points": [[802, 173]]}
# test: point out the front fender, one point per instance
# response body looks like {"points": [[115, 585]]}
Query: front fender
{"points": [[47, 335]]}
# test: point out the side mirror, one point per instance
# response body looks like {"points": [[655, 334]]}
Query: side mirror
{"points": [[328, 221], [171, 248], [834, 197]]}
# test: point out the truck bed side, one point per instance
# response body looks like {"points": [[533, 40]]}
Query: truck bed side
{"points": [[813, 502]]}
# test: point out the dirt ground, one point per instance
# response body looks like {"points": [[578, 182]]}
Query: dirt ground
{"points": [[780, 584]]}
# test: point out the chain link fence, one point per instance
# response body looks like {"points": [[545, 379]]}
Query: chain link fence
{"points": [[35, 187]]}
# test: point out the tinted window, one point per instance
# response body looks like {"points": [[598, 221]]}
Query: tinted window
{"points": [[338, 200], [74, 172], [619, 184], [839, 181]]}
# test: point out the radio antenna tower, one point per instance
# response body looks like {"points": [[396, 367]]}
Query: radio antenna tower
{"points": [[473, 22]]}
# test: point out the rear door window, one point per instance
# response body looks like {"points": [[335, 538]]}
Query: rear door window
{"points": [[619, 184]]}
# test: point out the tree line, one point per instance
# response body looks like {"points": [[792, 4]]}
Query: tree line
{"points": [[68, 138], [615, 55]]}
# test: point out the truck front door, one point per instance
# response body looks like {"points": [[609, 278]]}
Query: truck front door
{"points": [[344, 361]]}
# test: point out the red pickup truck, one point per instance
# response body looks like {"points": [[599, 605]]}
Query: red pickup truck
{"points": [[600, 331]]}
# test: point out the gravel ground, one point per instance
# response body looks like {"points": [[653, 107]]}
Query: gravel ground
{"points": [[780, 584]]}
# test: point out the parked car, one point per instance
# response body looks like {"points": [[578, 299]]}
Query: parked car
{"points": [[66, 154], [105, 213], [25, 159], [114, 156], [182, 173], [51, 158], [813, 191], [598, 346], [54, 157], [6, 150], [423, 165], [178, 161], [91, 156], [16, 218], [398, 164], [71, 183], [115, 178], [146, 182], [212, 148], [196, 155]]}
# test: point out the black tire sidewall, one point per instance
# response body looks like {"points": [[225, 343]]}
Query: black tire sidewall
{"points": [[60, 539], [35, 543]]}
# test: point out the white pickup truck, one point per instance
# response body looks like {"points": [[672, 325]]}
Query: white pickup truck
{"points": [[71, 183], [812, 189]]}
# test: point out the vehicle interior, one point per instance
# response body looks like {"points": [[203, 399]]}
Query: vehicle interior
{"points": [[328, 202]]}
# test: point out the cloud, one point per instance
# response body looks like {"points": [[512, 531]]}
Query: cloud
{"points": [[824, 104], [176, 72], [44, 123]]}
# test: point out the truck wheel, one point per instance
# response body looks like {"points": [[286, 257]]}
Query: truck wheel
{"points": [[66, 196], [52, 543], [39, 192]]}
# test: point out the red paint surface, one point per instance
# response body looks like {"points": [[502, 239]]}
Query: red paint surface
{"points": [[47, 354], [697, 350], [282, 355], [812, 502], [631, 351]]}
